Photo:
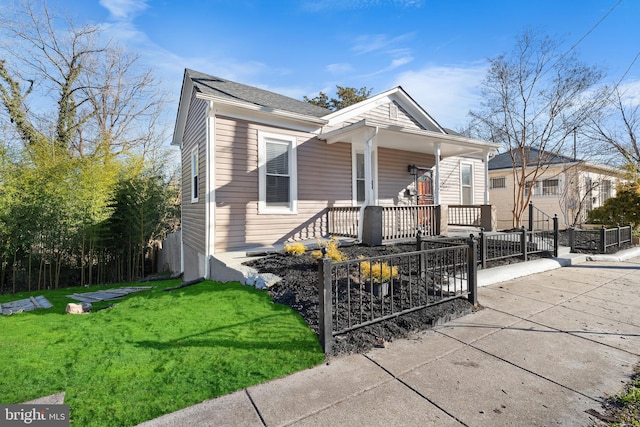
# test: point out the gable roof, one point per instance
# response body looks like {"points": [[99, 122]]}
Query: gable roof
{"points": [[504, 160], [397, 94], [220, 88]]}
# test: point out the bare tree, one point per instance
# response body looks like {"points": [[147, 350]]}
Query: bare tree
{"points": [[534, 98], [64, 85], [617, 125]]}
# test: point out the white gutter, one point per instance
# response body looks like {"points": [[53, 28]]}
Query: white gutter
{"points": [[209, 198], [436, 186]]}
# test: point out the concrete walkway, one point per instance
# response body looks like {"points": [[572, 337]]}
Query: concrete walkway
{"points": [[546, 348]]}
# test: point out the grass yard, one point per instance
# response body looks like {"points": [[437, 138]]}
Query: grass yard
{"points": [[153, 352]]}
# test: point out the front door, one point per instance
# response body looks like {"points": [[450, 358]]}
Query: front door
{"points": [[424, 187]]}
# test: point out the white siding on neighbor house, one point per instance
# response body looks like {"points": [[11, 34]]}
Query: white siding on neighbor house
{"points": [[565, 204], [324, 179], [193, 214], [450, 184], [393, 177]]}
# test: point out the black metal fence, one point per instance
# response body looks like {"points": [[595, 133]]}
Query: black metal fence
{"points": [[500, 245], [539, 220], [360, 292], [599, 240]]}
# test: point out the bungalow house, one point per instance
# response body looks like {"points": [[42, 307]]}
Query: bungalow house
{"points": [[261, 168], [565, 186]]}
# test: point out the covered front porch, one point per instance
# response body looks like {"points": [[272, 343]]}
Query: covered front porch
{"points": [[441, 192], [377, 225]]}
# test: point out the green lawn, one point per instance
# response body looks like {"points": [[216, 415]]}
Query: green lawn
{"points": [[153, 352]]}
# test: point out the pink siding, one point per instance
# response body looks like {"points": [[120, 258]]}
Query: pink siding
{"points": [[324, 179], [393, 178]]}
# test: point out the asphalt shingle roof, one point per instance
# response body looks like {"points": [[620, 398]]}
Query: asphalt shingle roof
{"points": [[504, 161], [219, 87]]}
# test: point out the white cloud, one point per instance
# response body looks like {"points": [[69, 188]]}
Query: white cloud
{"points": [[339, 68], [446, 93], [367, 43], [320, 5], [124, 9], [631, 92]]}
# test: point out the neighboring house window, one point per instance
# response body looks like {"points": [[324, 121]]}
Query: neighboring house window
{"points": [[359, 177], [194, 175], [547, 187], [605, 190], [527, 186], [589, 199], [278, 182], [498, 182], [551, 187], [466, 183]]}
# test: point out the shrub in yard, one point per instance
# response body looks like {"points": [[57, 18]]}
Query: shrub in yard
{"points": [[378, 272], [295, 248], [619, 210], [332, 250]]}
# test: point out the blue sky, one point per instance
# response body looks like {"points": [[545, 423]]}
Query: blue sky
{"points": [[437, 50]]}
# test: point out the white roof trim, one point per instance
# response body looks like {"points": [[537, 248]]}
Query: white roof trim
{"points": [[416, 140], [397, 94]]}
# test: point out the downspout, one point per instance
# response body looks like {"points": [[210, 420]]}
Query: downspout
{"points": [[368, 172], [486, 178], [209, 199], [436, 197]]}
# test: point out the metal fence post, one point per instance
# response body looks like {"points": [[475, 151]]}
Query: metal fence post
{"points": [[483, 249], [619, 237], [421, 256], [472, 276], [530, 216], [603, 240], [572, 239], [325, 309], [523, 244], [556, 235]]}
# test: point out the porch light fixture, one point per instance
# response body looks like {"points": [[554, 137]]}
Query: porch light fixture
{"points": [[412, 169]]}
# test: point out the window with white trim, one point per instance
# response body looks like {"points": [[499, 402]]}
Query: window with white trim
{"points": [[360, 182], [194, 175], [551, 187], [277, 167], [605, 190], [498, 182], [466, 183]]}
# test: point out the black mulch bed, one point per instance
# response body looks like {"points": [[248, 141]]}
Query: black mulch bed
{"points": [[299, 290]]}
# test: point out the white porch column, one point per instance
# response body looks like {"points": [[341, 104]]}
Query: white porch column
{"points": [[486, 178], [436, 181], [369, 195]]}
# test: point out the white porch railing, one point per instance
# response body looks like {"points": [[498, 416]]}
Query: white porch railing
{"points": [[402, 222], [465, 215], [343, 221], [398, 222]]}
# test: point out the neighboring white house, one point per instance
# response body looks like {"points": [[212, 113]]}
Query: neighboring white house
{"points": [[261, 168], [566, 186]]}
